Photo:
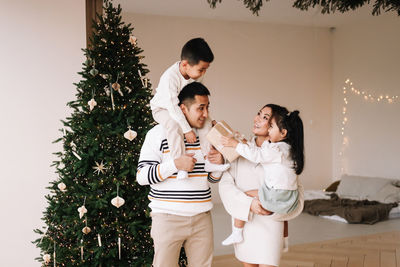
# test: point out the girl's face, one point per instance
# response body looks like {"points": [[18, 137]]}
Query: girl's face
{"points": [[276, 135], [261, 122]]}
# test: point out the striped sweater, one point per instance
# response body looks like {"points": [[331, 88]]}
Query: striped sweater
{"points": [[156, 168]]}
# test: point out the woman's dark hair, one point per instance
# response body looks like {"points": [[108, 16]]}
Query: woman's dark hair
{"points": [[293, 124], [195, 50]]}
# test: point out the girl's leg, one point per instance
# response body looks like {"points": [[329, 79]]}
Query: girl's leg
{"points": [[237, 233]]}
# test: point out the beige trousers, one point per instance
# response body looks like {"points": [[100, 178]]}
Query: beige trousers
{"points": [[175, 134], [170, 232]]}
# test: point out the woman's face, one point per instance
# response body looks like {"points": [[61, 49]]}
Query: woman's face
{"points": [[261, 122]]}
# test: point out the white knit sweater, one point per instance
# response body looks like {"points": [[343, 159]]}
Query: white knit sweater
{"points": [[166, 95], [156, 168]]}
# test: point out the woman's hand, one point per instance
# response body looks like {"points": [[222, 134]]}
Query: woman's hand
{"points": [[252, 193], [258, 209], [229, 141]]}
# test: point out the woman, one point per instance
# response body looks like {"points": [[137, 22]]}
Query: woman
{"points": [[263, 232]]}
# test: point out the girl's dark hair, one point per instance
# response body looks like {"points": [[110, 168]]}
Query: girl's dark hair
{"points": [[293, 124]]}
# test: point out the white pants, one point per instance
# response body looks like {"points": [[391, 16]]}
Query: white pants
{"points": [[175, 134]]}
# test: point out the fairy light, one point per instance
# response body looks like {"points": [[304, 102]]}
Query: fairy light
{"points": [[381, 98]]}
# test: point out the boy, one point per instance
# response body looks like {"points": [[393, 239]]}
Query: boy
{"points": [[196, 57]]}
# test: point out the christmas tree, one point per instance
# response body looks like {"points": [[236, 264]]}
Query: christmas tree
{"points": [[97, 214]]}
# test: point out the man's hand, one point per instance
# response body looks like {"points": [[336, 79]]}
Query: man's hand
{"points": [[258, 209], [190, 137], [229, 141], [214, 156], [185, 162]]}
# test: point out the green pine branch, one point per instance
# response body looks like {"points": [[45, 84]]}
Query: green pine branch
{"points": [[327, 6]]}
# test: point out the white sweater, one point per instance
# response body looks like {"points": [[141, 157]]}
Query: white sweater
{"points": [[276, 161], [186, 197], [166, 95]]}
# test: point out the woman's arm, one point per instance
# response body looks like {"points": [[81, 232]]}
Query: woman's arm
{"points": [[236, 202]]}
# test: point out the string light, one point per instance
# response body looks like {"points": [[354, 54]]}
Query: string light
{"points": [[382, 98]]}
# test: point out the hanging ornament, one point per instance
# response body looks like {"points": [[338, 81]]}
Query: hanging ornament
{"points": [[107, 90], [119, 247], [62, 187], [104, 76], [130, 134], [99, 168], [93, 71], [73, 146], [86, 230], [81, 249], [54, 255], [82, 210], [128, 89], [118, 201], [46, 258], [99, 239], [112, 96], [103, 40], [132, 40], [92, 103], [141, 77], [117, 87]]}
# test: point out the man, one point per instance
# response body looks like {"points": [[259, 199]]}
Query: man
{"points": [[180, 208]]}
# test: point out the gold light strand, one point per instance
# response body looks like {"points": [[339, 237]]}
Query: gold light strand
{"points": [[348, 87]]}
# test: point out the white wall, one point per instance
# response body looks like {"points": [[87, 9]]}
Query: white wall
{"points": [[254, 64], [40, 55], [368, 54]]}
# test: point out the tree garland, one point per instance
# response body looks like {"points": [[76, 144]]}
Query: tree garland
{"points": [[328, 6]]}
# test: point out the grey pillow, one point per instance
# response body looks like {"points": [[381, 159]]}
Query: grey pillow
{"points": [[388, 194], [360, 187]]}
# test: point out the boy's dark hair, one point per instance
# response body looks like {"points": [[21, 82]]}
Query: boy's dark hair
{"points": [[295, 133], [195, 50], [188, 93]]}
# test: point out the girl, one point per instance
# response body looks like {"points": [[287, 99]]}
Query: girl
{"points": [[282, 157]]}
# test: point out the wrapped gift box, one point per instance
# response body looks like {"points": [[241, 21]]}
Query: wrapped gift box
{"points": [[214, 137]]}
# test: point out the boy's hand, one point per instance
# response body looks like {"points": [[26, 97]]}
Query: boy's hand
{"points": [[214, 156], [185, 162], [190, 137], [229, 141]]}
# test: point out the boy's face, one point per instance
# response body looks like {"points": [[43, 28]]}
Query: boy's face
{"points": [[197, 113], [195, 71]]}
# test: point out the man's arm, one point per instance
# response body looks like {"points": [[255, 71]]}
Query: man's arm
{"points": [[214, 156], [151, 169]]}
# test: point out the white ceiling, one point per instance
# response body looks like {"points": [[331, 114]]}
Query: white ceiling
{"points": [[274, 11]]}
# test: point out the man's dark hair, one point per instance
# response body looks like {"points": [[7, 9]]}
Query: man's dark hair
{"points": [[195, 50], [188, 93]]}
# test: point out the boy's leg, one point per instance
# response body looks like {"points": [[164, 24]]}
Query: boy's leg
{"points": [[199, 245], [205, 148], [174, 136], [237, 233], [167, 244]]}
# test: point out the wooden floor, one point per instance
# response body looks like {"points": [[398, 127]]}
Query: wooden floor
{"points": [[377, 250]]}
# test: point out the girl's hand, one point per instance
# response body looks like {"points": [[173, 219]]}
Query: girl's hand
{"points": [[229, 141], [258, 209]]}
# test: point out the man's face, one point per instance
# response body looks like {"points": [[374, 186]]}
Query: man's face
{"points": [[197, 113]]}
